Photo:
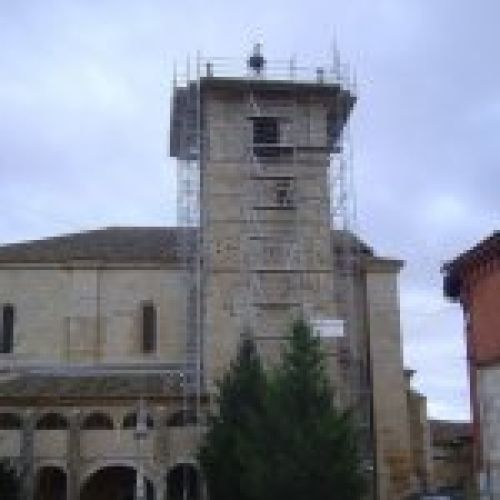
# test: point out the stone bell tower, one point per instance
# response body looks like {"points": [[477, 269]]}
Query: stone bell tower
{"points": [[261, 139]]}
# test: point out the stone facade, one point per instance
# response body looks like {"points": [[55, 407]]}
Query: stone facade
{"points": [[86, 316], [420, 438], [488, 394], [451, 446], [260, 249], [74, 307], [390, 409], [90, 312], [71, 386]]}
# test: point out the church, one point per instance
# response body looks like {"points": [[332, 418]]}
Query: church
{"points": [[112, 340]]}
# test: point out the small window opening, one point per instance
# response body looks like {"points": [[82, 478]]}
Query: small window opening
{"points": [[266, 130], [284, 197], [7, 329], [148, 327]]}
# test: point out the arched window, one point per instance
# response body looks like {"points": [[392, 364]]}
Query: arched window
{"points": [[52, 422], [181, 418], [97, 421], [148, 327], [130, 421], [10, 421]]}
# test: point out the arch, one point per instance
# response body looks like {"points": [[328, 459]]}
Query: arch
{"points": [[10, 421], [51, 483], [181, 418], [97, 421], [183, 482], [130, 421], [52, 422], [95, 466], [117, 482]]}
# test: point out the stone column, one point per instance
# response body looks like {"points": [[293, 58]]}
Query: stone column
{"points": [[73, 456], [27, 475], [161, 488], [161, 452]]}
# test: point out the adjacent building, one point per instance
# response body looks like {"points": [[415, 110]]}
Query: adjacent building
{"points": [[420, 438], [451, 451], [473, 280]]}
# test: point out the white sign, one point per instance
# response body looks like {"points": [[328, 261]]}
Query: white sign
{"points": [[328, 327]]}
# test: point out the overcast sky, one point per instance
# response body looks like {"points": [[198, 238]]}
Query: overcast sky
{"points": [[84, 105]]}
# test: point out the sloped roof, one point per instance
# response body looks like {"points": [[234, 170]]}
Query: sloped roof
{"points": [[483, 252], [116, 245], [487, 249], [343, 241], [109, 245], [103, 386]]}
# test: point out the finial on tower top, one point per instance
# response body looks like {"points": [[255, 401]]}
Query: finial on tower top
{"points": [[256, 61]]}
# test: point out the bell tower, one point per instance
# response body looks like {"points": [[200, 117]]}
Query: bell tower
{"points": [[255, 144]]}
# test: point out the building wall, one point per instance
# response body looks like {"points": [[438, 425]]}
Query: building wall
{"points": [[101, 307], [88, 314], [488, 391], [480, 298], [228, 194], [390, 408], [157, 453], [92, 314], [420, 440], [484, 315]]}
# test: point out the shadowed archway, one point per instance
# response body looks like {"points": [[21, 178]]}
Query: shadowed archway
{"points": [[50, 484], [10, 485], [97, 421], [114, 482], [183, 483]]}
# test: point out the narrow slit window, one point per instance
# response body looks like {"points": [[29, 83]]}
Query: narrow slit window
{"points": [[7, 331], [148, 327]]}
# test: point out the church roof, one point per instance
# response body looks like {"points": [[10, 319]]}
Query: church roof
{"points": [[115, 245], [111, 386], [108, 245]]}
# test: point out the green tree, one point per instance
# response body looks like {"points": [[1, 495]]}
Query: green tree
{"points": [[313, 453], [229, 443], [279, 437]]}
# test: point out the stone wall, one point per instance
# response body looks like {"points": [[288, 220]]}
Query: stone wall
{"points": [[390, 409], [92, 313], [488, 392]]}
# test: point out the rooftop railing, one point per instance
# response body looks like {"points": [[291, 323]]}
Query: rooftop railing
{"points": [[276, 70]]}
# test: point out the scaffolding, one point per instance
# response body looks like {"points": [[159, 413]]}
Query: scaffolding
{"points": [[245, 204]]}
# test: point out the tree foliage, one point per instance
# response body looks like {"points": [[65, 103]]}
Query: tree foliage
{"points": [[278, 435], [225, 454]]}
